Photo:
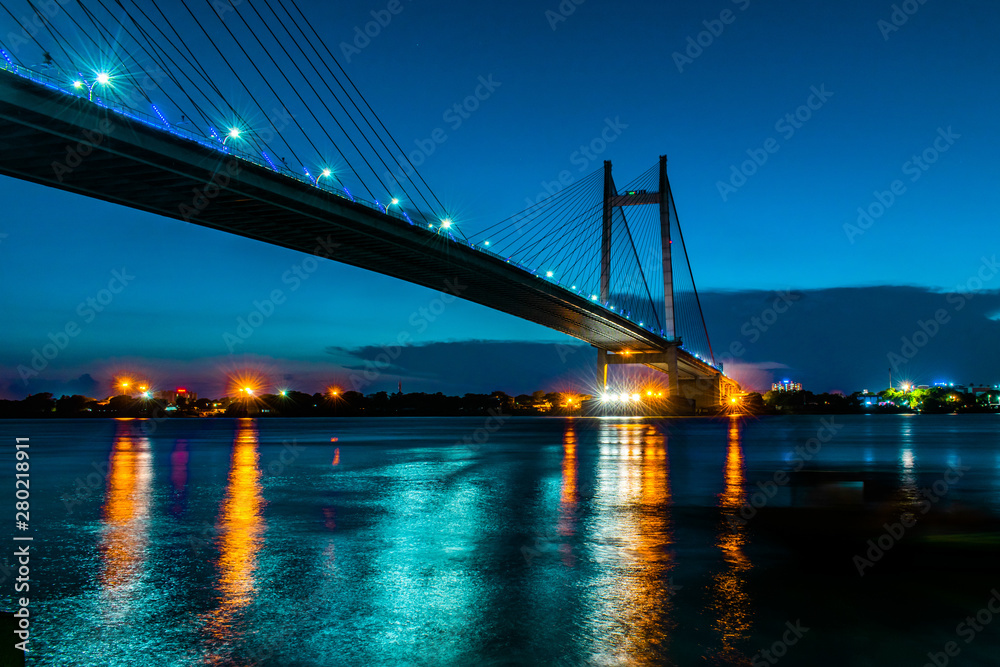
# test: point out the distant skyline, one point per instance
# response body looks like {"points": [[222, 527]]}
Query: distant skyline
{"points": [[898, 123]]}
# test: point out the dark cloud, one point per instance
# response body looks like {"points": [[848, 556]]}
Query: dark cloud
{"points": [[831, 339], [828, 339], [471, 365], [84, 385], [842, 338]]}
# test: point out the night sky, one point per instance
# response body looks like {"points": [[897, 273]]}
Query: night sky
{"points": [[880, 97]]}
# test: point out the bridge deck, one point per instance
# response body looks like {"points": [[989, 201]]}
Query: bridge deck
{"points": [[131, 163]]}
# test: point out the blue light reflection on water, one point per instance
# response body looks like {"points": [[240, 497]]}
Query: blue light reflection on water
{"points": [[560, 541]]}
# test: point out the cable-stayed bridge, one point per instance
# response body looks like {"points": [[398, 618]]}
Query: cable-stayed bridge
{"points": [[137, 125]]}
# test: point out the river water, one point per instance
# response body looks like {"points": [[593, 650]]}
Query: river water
{"points": [[548, 541]]}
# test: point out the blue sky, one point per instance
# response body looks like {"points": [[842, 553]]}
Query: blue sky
{"points": [[888, 97]]}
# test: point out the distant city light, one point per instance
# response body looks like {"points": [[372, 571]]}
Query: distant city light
{"points": [[284, 392], [487, 243]]}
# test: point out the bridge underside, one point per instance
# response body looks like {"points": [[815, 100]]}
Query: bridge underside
{"points": [[66, 142], [691, 380]]}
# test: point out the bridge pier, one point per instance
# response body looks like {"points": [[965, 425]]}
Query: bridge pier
{"points": [[704, 392], [602, 369]]}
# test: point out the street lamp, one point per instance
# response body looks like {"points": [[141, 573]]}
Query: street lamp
{"points": [[393, 202], [102, 78], [234, 133], [325, 173]]}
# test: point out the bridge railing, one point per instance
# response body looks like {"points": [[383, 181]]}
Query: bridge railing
{"points": [[160, 123], [208, 141]]}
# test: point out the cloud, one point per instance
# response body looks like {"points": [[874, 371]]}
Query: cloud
{"points": [[828, 339], [842, 338], [477, 366]]}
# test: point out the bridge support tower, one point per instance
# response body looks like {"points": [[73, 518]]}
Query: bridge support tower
{"points": [[661, 199]]}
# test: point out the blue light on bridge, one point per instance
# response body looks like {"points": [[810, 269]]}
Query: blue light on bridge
{"points": [[235, 132], [6, 56], [162, 117]]}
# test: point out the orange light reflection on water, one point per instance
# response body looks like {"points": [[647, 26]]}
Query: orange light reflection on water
{"points": [[568, 497], [241, 529], [125, 514], [635, 520], [731, 603]]}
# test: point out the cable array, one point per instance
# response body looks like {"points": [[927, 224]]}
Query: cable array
{"points": [[560, 239], [253, 78]]}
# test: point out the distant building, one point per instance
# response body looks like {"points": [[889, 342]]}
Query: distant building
{"points": [[170, 397], [786, 385]]}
